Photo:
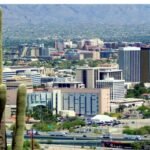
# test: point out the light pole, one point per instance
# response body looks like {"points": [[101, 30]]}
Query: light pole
{"points": [[32, 145], [74, 142]]}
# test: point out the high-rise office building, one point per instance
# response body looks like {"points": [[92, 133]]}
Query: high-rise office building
{"points": [[129, 62], [145, 64], [44, 52], [89, 75]]}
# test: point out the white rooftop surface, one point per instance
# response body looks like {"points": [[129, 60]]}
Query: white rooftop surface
{"points": [[102, 118], [110, 80], [129, 48], [7, 70], [131, 99]]}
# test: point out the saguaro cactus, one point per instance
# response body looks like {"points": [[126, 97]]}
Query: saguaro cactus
{"points": [[1, 53], [2, 99], [3, 144], [20, 119], [3, 90]]}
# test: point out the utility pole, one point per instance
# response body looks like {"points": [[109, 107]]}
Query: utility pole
{"points": [[32, 144]]}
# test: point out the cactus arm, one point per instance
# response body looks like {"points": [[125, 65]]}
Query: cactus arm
{"points": [[2, 99], [3, 143], [20, 119]]}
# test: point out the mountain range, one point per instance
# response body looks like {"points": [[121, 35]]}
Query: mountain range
{"points": [[15, 16], [106, 14]]}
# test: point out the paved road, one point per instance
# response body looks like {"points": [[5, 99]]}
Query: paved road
{"points": [[70, 137]]}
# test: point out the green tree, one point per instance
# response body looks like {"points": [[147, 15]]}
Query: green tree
{"points": [[69, 124], [140, 131], [43, 126], [141, 145], [28, 144], [145, 110], [138, 90], [43, 113]]}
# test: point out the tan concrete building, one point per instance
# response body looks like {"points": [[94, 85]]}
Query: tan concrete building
{"points": [[86, 101], [94, 55], [67, 113], [89, 75], [15, 81]]}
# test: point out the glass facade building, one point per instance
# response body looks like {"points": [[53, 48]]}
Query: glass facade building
{"points": [[81, 103], [129, 62], [86, 102]]}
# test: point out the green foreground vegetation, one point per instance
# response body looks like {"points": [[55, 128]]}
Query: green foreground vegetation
{"points": [[145, 111], [69, 124], [28, 145], [140, 131], [49, 122], [141, 145]]}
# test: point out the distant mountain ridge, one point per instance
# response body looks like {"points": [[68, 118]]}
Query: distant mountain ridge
{"points": [[35, 21], [105, 14]]}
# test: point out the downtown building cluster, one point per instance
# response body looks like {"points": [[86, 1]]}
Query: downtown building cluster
{"points": [[92, 90]]}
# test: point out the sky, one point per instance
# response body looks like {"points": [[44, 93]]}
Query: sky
{"points": [[74, 2]]}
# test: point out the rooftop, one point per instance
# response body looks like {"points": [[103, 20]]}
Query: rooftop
{"points": [[130, 48], [129, 100]]}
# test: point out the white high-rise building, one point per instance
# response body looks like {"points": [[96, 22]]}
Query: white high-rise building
{"points": [[117, 89]]}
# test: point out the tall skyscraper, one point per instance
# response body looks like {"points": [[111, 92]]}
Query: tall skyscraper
{"points": [[145, 64], [129, 62]]}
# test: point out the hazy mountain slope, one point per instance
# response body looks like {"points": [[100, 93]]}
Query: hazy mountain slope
{"points": [[108, 14], [34, 21]]}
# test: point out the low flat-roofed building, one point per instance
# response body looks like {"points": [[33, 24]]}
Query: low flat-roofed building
{"points": [[130, 102], [67, 113], [15, 81], [87, 102], [94, 55], [69, 84], [50, 99], [10, 108], [8, 73], [127, 103]]}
